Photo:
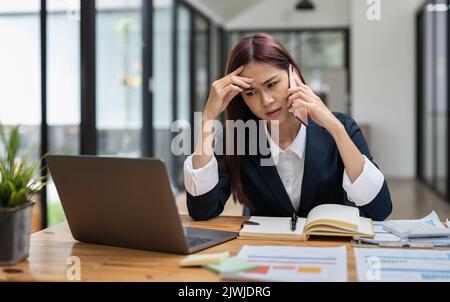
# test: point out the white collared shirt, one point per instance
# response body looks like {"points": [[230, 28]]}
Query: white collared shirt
{"points": [[290, 165]]}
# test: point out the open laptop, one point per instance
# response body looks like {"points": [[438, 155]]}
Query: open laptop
{"points": [[125, 202]]}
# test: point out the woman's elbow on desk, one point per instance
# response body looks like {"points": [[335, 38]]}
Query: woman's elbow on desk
{"points": [[380, 207], [202, 207]]}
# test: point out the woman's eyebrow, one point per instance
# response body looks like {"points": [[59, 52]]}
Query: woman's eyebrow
{"points": [[265, 82]]}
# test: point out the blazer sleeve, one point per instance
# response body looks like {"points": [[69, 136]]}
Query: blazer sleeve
{"points": [[381, 206], [212, 203]]}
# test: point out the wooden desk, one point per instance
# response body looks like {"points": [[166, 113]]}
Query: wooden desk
{"points": [[50, 249]]}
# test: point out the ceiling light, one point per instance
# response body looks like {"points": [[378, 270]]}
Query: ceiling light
{"points": [[304, 5]]}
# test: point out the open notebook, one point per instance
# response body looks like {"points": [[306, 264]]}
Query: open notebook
{"points": [[325, 220]]}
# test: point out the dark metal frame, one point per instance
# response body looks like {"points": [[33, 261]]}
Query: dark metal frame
{"points": [[419, 92], [192, 75], [88, 130], [175, 90], [44, 125], [147, 76], [434, 107]]}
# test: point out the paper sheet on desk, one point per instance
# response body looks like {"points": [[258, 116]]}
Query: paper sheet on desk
{"points": [[289, 263], [402, 265], [383, 236]]}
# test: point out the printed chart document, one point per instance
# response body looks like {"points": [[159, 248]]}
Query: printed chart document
{"points": [[296, 264], [402, 265]]}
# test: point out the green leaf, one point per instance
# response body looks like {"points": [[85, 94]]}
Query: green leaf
{"points": [[18, 197], [8, 191], [19, 177]]}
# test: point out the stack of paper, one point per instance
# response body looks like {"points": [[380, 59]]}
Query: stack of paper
{"points": [[385, 239]]}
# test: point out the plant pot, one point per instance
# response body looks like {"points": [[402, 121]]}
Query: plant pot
{"points": [[15, 231]]}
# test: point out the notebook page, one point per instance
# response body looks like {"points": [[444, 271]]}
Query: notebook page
{"points": [[336, 212], [365, 226], [273, 225]]}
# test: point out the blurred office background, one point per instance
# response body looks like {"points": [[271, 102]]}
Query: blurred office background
{"points": [[109, 77]]}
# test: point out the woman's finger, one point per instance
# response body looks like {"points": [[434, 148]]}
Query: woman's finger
{"points": [[237, 71], [300, 104], [299, 95], [240, 83], [308, 91], [295, 89], [232, 87], [244, 79], [234, 80], [305, 90], [231, 91]]}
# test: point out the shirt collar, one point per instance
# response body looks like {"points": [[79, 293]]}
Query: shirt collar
{"points": [[297, 146]]}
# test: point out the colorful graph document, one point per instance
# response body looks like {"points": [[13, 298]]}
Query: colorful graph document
{"points": [[287, 263], [403, 265]]}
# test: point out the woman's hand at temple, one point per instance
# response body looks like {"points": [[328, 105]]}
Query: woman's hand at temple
{"points": [[223, 91], [221, 94]]}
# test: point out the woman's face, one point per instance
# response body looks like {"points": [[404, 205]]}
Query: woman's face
{"points": [[268, 96]]}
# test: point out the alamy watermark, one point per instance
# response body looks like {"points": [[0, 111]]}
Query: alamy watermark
{"points": [[242, 138], [373, 12], [73, 269], [373, 268], [73, 10]]}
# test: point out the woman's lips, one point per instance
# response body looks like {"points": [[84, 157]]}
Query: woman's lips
{"points": [[273, 113]]}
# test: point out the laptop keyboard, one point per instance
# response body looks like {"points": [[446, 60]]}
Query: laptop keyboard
{"points": [[194, 241]]}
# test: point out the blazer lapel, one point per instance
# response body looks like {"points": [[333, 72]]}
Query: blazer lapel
{"points": [[316, 154], [271, 178]]}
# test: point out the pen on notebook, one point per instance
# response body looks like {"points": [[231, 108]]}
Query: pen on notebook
{"points": [[293, 222]]}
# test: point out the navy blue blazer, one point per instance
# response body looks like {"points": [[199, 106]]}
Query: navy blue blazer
{"points": [[322, 181]]}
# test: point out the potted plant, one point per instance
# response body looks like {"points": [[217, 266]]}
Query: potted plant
{"points": [[19, 182]]}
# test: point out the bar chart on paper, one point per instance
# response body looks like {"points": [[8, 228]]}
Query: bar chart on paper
{"points": [[402, 265], [284, 263]]}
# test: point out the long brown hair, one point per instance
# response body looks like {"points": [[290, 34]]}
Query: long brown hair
{"points": [[261, 48]]}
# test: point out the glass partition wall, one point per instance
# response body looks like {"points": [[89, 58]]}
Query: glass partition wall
{"points": [[432, 96], [115, 73]]}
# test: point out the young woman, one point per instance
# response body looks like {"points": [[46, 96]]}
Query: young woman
{"points": [[326, 162]]}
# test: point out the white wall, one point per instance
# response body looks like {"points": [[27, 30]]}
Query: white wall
{"points": [[383, 81], [282, 14]]}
